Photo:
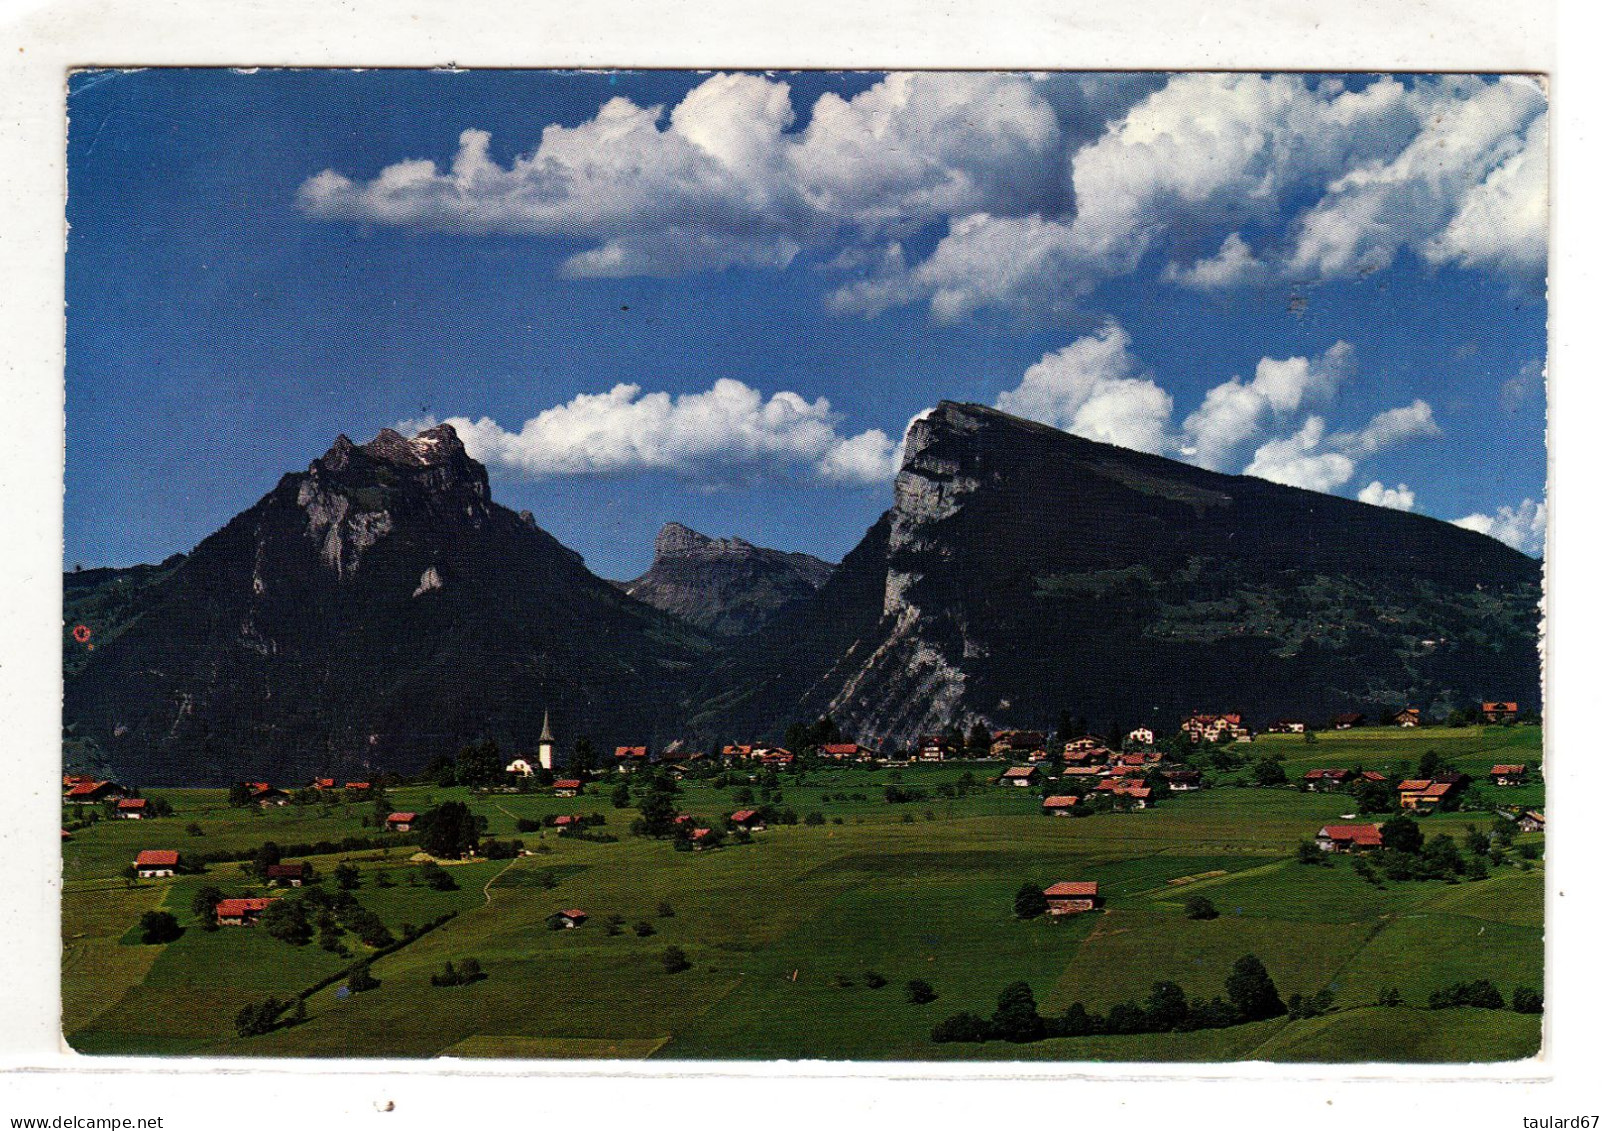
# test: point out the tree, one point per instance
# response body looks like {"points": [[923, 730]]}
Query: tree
{"points": [[239, 795], [263, 1017], [664, 909], [437, 877], [361, 979], [919, 992], [1166, 1008], [674, 959], [1311, 853], [1201, 907], [1251, 990], [961, 1027], [1431, 765], [621, 796], [1442, 858], [265, 858], [1374, 796], [874, 980], [193, 829], [1527, 1000], [204, 906], [286, 920], [979, 738], [480, 763], [158, 927], [1017, 1018], [451, 830], [1030, 902], [584, 759], [1401, 834], [1268, 771], [346, 876]]}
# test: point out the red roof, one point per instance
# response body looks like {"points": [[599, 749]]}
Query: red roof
{"points": [[1426, 788], [744, 814], [1368, 836], [156, 857], [1372, 775], [837, 748], [318, 783], [1071, 888], [700, 834], [631, 751], [574, 913], [235, 908], [275, 871], [1083, 771], [565, 819], [1499, 707], [1059, 802], [401, 818], [1495, 770], [357, 785], [1020, 772], [85, 788], [568, 783], [1326, 774], [256, 786], [132, 803]]}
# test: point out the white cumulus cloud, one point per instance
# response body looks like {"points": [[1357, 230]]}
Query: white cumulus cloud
{"points": [[1302, 460], [1521, 527], [729, 427], [1399, 498], [1234, 412]]}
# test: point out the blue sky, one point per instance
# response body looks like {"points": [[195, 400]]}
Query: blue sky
{"points": [[721, 298]]}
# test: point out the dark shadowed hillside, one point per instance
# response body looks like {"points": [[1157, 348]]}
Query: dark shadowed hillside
{"points": [[1023, 571]]}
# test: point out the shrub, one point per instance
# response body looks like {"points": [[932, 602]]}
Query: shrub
{"points": [[919, 992], [1527, 1000], [1200, 907], [361, 979], [1311, 853], [664, 910], [815, 818], [1480, 994], [875, 980], [961, 1027], [1030, 902], [643, 929], [1251, 991], [158, 927], [675, 960], [264, 1017]]}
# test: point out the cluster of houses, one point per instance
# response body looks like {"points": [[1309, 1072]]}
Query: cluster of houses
{"points": [[1089, 766], [1419, 795]]}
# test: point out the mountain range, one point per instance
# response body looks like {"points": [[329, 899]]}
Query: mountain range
{"points": [[380, 609]]}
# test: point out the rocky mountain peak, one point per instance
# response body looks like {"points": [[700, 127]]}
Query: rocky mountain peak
{"points": [[678, 541]]}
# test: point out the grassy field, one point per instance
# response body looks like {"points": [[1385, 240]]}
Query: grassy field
{"points": [[781, 933]]}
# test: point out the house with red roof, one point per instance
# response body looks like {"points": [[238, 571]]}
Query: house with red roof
{"points": [[357, 786], [1060, 806], [401, 822], [318, 783], [1070, 897], [130, 809], [701, 839], [242, 912], [847, 752], [1408, 717], [1531, 821], [1289, 726], [1372, 776], [564, 823], [569, 919], [1008, 743], [1083, 773], [748, 819], [1183, 781], [1328, 781], [87, 792], [1020, 776], [1141, 736], [567, 787], [265, 796], [1506, 775], [1496, 713], [155, 863], [1348, 838], [630, 757], [1423, 794], [286, 875]]}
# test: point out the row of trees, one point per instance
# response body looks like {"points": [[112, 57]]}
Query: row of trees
{"points": [[1250, 995]]}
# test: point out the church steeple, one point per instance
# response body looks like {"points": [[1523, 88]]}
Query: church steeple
{"points": [[545, 745]]}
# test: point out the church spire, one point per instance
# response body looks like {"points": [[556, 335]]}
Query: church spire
{"points": [[545, 745], [547, 735]]}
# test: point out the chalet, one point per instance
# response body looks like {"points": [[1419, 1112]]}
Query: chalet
{"points": [[1071, 897], [1495, 713], [567, 787], [1289, 726], [565, 823], [1408, 717], [130, 809], [256, 786], [401, 822], [241, 912], [1348, 838], [317, 783], [357, 786], [70, 780], [92, 791], [1183, 781], [1076, 754], [1348, 721], [1060, 806], [1084, 742], [935, 748], [1130, 763], [1083, 773], [286, 875], [846, 752], [520, 767], [154, 863], [1423, 794], [737, 750], [630, 757], [1134, 789], [1020, 776], [1007, 743], [1326, 780], [267, 796], [1372, 776], [773, 756], [749, 820], [1212, 728], [1499, 775], [1531, 821], [701, 839], [1141, 736], [569, 919]]}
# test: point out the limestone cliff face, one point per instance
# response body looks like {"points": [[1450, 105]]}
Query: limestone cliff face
{"points": [[725, 585]]}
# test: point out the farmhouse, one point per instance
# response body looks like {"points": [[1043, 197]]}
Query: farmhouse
{"points": [[286, 875], [1060, 806], [1006, 743], [1499, 775], [847, 752], [773, 756], [1408, 717], [88, 791], [1183, 781], [1327, 780], [1289, 726], [70, 780], [567, 787], [564, 823], [1083, 773], [1085, 755], [731, 751], [1372, 776], [520, 767], [264, 795], [401, 822], [1347, 838], [1211, 728], [1141, 736], [1082, 743], [357, 786], [1020, 776], [1071, 897], [1348, 721], [317, 783], [1495, 713], [1422, 794], [935, 748], [1531, 821], [749, 820], [241, 912], [569, 919], [130, 809], [154, 863]]}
